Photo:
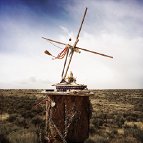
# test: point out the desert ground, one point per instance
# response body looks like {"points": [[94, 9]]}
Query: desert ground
{"points": [[117, 116]]}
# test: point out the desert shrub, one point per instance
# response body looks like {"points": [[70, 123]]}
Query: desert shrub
{"points": [[119, 120], [5, 130], [139, 135], [17, 104], [135, 132], [20, 121], [92, 129], [27, 114], [139, 106], [97, 139], [12, 117], [3, 139], [10, 133], [37, 121], [131, 118], [97, 122], [90, 140], [23, 136], [128, 139], [113, 133]]}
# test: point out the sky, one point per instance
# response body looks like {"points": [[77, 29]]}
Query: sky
{"points": [[112, 27]]}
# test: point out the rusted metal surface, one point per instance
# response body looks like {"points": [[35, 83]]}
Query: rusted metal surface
{"points": [[94, 52], [68, 118], [70, 87], [71, 93]]}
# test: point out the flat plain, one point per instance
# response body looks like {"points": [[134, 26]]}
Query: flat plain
{"points": [[117, 116]]}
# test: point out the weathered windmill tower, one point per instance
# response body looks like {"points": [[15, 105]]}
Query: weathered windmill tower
{"points": [[68, 108]]}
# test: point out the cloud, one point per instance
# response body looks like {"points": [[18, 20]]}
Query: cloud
{"points": [[113, 27], [110, 27]]}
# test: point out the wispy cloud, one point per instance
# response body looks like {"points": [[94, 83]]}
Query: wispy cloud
{"points": [[111, 27]]}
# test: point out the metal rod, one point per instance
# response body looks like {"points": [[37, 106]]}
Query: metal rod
{"points": [[72, 52], [46, 117], [65, 63], [94, 52], [54, 41], [81, 23]]}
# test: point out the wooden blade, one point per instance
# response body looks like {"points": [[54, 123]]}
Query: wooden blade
{"points": [[54, 41], [81, 23], [48, 53], [94, 52]]}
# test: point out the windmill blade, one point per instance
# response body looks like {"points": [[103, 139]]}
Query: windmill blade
{"points": [[94, 52], [48, 53], [81, 23], [54, 41], [74, 46]]}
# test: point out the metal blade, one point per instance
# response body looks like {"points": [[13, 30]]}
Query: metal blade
{"points": [[94, 52], [48, 53], [81, 23], [54, 41], [74, 46]]}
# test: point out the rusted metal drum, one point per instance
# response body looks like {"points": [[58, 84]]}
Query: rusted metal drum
{"points": [[68, 117]]}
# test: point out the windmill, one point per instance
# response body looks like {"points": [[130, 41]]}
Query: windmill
{"points": [[68, 52]]}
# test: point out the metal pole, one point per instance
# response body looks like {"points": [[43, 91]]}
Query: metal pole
{"points": [[46, 127], [70, 59], [65, 64], [74, 46]]}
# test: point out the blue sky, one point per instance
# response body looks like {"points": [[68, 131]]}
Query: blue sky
{"points": [[112, 27]]}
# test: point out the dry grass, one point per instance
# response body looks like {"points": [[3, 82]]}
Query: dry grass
{"points": [[4, 116], [117, 116]]}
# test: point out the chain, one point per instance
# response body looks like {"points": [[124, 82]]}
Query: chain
{"points": [[74, 115], [60, 134], [53, 124], [69, 120], [66, 122]]}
